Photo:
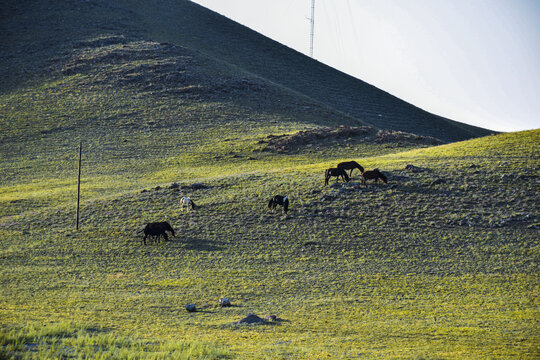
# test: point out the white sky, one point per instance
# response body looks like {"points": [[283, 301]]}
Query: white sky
{"points": [[474, 61]]}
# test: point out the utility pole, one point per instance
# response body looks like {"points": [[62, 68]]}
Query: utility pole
{"points": [[79, 185], [312, 19]]}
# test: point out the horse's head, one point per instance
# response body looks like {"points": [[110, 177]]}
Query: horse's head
{"points": [[344, 173], [326, 176]]}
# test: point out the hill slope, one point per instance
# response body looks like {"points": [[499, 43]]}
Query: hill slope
{"points": [[39, 32], [187, 23], [441, 262]]}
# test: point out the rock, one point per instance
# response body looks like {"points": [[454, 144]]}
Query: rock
{"points": [[412, 168], [271, 317], [191, 308], [251, 319], [224, 302]]}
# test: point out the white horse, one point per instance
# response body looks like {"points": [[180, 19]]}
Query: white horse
{"points": [[187, 202]]}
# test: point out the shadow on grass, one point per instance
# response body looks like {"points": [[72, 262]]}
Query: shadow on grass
{"points": [[196, 244]]}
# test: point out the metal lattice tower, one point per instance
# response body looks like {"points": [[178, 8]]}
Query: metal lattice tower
{"points": [[312, 19]]}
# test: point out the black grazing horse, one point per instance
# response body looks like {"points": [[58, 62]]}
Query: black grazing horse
{"points": [[373, 174], [337, 172], [279, 200], [157, 229], [350, 165]]}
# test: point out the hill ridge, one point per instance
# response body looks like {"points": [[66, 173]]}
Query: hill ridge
{"points": [[361, 100]]}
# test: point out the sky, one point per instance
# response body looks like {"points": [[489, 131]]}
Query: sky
{"points": [[473, 61]]}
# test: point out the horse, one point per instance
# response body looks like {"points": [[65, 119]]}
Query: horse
{"points": [[373, 174], [157, 229], [337, 172], [279, 200], [187, 202], [350, 165]]}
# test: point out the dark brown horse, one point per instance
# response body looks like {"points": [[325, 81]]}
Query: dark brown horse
{"points": [[279, 200], [350, 165], [374, 174], [337, 172], [157, 229]]}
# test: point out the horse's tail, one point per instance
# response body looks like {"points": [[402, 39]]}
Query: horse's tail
{"points": [[286, 205], [193, 206], [271, 203], [383, 177]]}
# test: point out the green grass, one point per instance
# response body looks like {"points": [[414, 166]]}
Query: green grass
{"points": [[437, 264], [69, 340], [405, 270]]}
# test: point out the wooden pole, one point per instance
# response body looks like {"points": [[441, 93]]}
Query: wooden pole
{"points": [[79, 185]]}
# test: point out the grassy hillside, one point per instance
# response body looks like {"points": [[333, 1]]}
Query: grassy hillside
{"points": [[141, 107], [442, 263], [37, 32]]}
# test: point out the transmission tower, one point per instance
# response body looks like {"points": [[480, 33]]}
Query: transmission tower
{"points": [[312, 20]]}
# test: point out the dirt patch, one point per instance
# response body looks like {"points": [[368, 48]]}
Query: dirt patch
{"points": [[290, 142]]}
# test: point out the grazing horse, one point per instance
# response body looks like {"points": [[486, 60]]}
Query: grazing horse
{"points": [[279, 200], [187, 202], [157, 229], [337, 172], [350, 165], [373, 174]]}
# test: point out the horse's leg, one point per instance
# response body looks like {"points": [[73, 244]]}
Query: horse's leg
{"points": [[144, 239]]}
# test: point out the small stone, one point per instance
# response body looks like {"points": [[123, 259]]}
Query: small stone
{"points": [[414, 169], [224, 302], [271, 317], [191, 308]]}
